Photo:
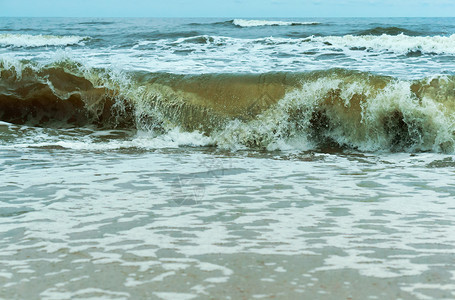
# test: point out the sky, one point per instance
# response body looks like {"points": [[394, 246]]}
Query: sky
{"points": [[227, 8]]}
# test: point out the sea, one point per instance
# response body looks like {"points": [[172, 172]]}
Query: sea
{"points": [[227, 158]]}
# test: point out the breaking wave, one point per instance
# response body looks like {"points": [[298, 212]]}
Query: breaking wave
{"points": [[27, 40], [400, 44], [334, 108], [256, 23]]}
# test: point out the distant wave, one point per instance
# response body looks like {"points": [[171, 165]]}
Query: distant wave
{"points": [[337, 107], [388, 31], [27, 40], [203, 39], [97, 23], [256, 23]]}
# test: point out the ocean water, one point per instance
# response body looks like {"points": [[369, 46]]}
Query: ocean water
{"points": [[227, 158]]}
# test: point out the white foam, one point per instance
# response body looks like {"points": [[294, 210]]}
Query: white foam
{"points": [[256, 23], [27, 40], [215, 54], [174, 296], [163, 275], [204, 266], [6, 275], [174, 138], [217, 279], [400, 44], [270, 54]]}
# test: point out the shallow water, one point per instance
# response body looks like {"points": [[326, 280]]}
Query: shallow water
{"points": [[178, 223], [141, 159]]}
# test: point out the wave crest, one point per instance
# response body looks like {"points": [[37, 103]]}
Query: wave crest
{"points": [[27, 40]]}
